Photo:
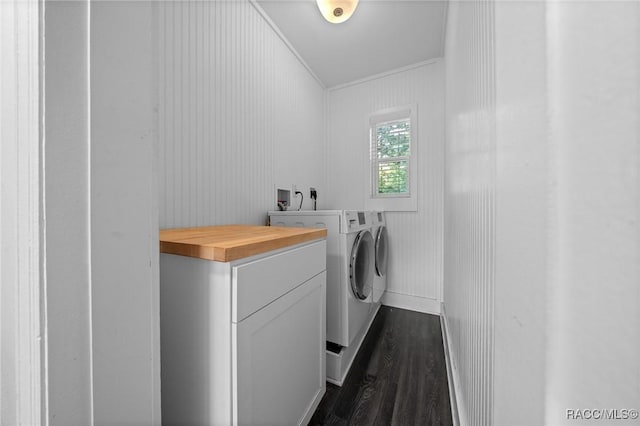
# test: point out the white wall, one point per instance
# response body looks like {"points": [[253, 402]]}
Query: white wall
{"points": [[238, 115], [542, 235], [415, 256], [66, 213], [100, 359], [124, 214], [593, 328], [521, 213]]}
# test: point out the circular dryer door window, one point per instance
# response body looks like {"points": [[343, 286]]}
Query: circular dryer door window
{"points": [[361, 265], [381, 251]]}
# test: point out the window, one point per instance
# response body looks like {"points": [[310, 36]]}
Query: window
{"points": [[391, 143], [392, 160]]}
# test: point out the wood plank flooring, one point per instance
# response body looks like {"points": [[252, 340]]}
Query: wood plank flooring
{"points": [[398, 377]]}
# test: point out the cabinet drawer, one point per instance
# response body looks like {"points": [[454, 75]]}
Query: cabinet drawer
{"points": [[256, 284]]}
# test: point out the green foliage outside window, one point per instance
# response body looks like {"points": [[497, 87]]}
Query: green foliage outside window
{"points": [[392, 178], [393, 142]]}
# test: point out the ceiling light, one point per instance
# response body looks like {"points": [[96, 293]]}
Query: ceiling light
{"points": [[337, 11]]}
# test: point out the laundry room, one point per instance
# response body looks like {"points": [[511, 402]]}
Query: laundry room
{"points": [[241, 212]]}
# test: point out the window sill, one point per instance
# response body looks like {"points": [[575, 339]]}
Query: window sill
{"points": [[392, 204]]}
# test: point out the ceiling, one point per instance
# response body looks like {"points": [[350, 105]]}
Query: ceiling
{"points": [[382, 35]]}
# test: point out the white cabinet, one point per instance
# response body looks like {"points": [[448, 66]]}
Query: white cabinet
{"points": [[243, 342], [278, 368]]}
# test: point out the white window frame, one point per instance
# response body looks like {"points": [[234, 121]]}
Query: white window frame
{"points": [[393, 202]]}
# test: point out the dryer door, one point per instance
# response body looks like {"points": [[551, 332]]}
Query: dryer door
{"points": [[381, 251], [361, 268]]}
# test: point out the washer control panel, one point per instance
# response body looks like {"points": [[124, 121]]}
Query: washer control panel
{"points": [[355, 221]]}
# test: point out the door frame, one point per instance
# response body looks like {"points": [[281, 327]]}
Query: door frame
{"points": [[22, 310]]}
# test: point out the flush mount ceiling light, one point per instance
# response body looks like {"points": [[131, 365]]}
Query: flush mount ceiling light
{"points": [[337, 11]]}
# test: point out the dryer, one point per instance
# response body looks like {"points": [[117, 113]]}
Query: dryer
{"points": [[350, 267], [381, 242], [358, 262]]}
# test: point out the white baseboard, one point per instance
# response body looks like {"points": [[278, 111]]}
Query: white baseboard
{"points": [[455, 394], [412, 303]]}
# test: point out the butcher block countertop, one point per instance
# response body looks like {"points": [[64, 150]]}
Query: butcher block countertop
{"points": [[232, 242]]}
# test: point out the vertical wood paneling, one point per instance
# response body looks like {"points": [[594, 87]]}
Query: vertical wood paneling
{"points": [[540, 215], [238, 113], [470, 204], [415, 238]]}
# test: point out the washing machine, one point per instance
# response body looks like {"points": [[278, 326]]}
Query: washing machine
{"points": [[350, 267], [358, 262], [381, 243]]}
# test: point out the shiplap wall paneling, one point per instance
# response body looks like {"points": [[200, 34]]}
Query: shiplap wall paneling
{"points": [[238, 114], [470, 205], [541, 239]]}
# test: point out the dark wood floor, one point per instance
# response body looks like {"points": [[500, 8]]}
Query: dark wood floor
{"points": [[399, 376]]}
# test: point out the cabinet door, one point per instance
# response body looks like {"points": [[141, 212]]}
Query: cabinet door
{"points": [[279, 353]]}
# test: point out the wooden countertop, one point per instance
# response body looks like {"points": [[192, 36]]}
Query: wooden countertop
{"points": [[231, 242]]}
